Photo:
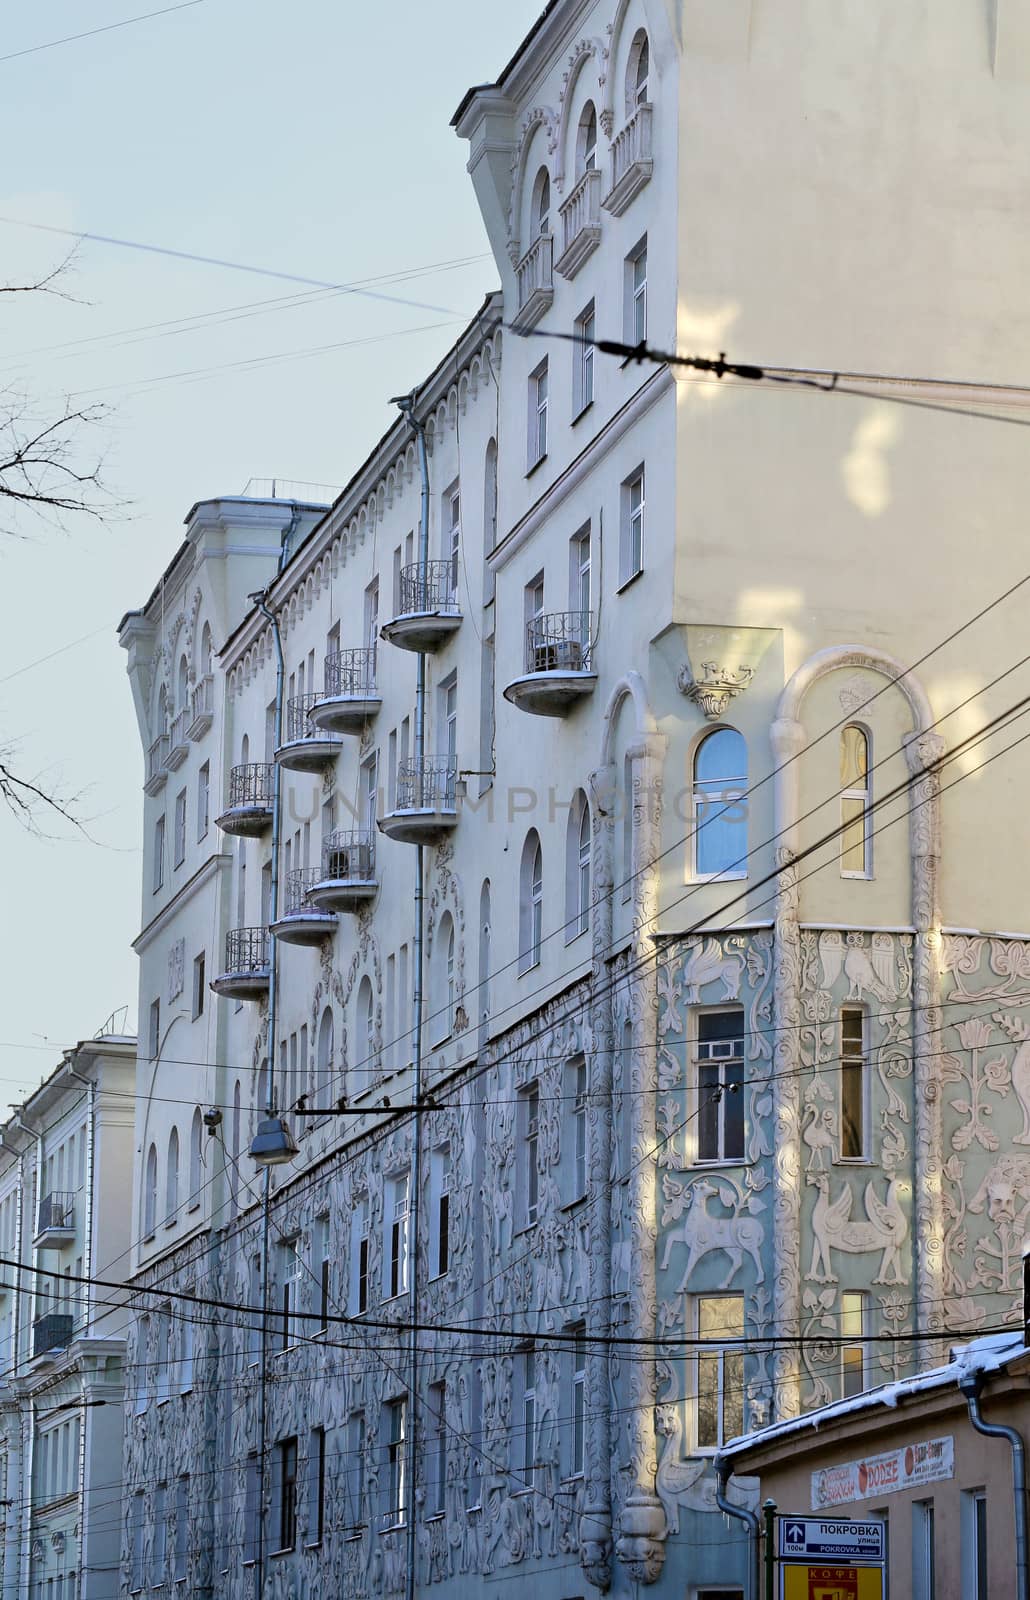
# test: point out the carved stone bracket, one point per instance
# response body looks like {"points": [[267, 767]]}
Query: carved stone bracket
{"points": [[715, 688]]}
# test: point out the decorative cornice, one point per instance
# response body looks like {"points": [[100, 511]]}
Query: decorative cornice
{"points": [[213, 865]]}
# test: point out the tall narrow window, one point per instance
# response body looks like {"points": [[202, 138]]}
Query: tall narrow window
{"points": [[172, 1177], [631, 542], [315, 1486], [583, 388], [359, 1256], [452, 551], [396, 1253], [856, 835], [324, 1059], [720, 1370], [372, 619], [974, 1545], [529, 1176], [852, 1084], [136, 1541], [720, 812], [199, 985], [196, 1156], [439, 1211], [203, 799], [286, 1471], [529, 1418], [720, 1079], [537, 414], [852, 1349], [396, 1417], [586, 141], [924, 1581], [639, 71], [576, 1100], [578, 1353], [484, 951], [150, 1193], [180, 828], [159, 854], [437, 1449], [577, 868], [355, 1470], [636, 293], [323, 1267], [155, 1029], [291, 1272], [531, 902], [540, 220], [368, 1063], [182, 1525], [579, 580]]}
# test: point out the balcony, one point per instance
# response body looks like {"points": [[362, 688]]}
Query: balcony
{"points": [[581, 224], [55, 1220], [632, 162], [251, 793], [51, 1332], [559, 666], [429, 611], [302, 922], [202, 708], [305, 748], [156, 768], [247, 965], [535, 280], [426, 804], [348, 875], [178, 739], [350, 698]]}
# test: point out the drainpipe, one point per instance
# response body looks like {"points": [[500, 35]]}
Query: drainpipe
{"points": [[91, 1133], [261, 601], [723, 1473], [33, 1134], [407, 408], [971, 1385]]}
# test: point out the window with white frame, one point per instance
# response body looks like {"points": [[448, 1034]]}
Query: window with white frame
{"points": [[586, 141], [576, 1100], [533, 602], [485, 935], [627, 828], [526, 1446], [636, 293], [150, 1194], [324, 1059], [531, 902], [180, 829], [579, 579], [196, 1157], [577, 868], [395, 1254], [359, 1251], [452, 536], [856, 832], [159, 854], [372, 615], [853, 1084], [631, 532], [203, 799], [395, 1417], [540, 211], [537, 426], [436, 1450], [163, 1364], [974, 1535], [439, 1210], [172, 1177], [852, 1347], [285, 1493], [924, 1551], [719, 1057], [355, 1470], [719, 834], [583, 384], [577, 1354], [447, 701], [316, 1486], [291, 1271], [639, 71], [719, 1408], [141, 1367], [366, 1034], [529, 1154]]}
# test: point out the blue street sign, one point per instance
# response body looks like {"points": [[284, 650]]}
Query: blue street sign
{"points": [[818, 1539]]}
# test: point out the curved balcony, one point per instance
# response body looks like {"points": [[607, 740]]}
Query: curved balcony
{"points": [[348, 874], [426, 807], [350, 698], [305, 747], [251, 791], [247, 965], [559, 669], [302, 922], [429, 611]]}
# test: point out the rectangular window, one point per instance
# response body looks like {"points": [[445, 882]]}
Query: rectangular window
{"points": [[154, 1031], [974, 1544], [579, 580], [323, 1267], [372, 614], [251, 1509], [720, 1079], [578, 1409], [291, 1272], [533, 601], [452, 536], [631, 542], [852, 1084], [159, 1552], [180, 828], [203, 799], [159, 853], [576, 1123], [199, 985], [852, 1354], [182, 1526], [583, 387], [396, 1419], [720, 1370], [255, 1291], [437, 1450], [537, 427], [526, 1456], [636, 293], [136, 1539], [529, 1176], [924, 1582], [355, 1469], [187, 1333], [439, 1211], [316, 1486], [396, 1251], [286, 1493]]}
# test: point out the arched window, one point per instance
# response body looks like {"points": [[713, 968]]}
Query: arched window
{"points": [[244, 750], [234, 1143], [856, 838], [442, 996], [484, 951], [324, 1058], [205, 650], [627, 828], [183, 684], [448, 978], [638, 73], [577, 868], [541, 214], [586, 141], [367, 1063], [720, 812], [150, 1193], [261, 1103], [531, 902], [172, 1176], [196, 1155]]}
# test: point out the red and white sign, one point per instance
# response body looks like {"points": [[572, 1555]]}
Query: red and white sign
{"points": [[872, 1476]]}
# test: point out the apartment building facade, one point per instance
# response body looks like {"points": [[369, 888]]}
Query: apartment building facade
{"points": [[65, 1173], [596, 887]]}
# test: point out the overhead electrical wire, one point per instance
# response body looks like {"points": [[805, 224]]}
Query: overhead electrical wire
{"points": [[109, 27]]}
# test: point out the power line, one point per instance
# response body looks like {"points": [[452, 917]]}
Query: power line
{"points": [[109, 27]]}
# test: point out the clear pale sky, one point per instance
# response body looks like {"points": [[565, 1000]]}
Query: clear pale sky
{"points": [[309, 139]]}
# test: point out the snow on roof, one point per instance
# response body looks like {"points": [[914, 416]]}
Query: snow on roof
{"points": [[988, 1354]]}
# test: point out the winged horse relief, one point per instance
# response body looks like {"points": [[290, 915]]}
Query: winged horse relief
{"points": [[886, 1229]]}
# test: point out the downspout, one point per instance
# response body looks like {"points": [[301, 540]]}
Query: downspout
{"points": [[261, 601], [723, 1473], [87, 1256], [33, 1134], [407, 407], [971, 1385]]}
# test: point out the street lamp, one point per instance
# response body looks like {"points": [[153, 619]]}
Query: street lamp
{"points": [[273, 1144]]}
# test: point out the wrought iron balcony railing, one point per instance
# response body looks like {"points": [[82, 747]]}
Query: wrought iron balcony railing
{"points": [[56, 1214], [51, 1332], [252, 785], [296, 884], [298, 721], [559, 641], [432, 587], [348, 854], [246, 951], [429, 784], [351, 672]]}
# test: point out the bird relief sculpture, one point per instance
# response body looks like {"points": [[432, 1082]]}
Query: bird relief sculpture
{"points": [[885, 1229], [867, 971], [736, 1235], [690, 1485]]}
